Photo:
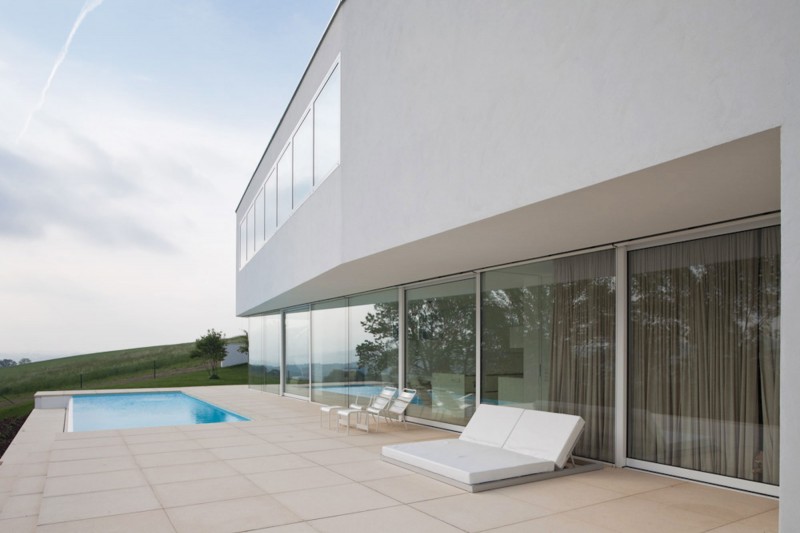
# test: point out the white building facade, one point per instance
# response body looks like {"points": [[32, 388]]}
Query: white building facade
{"points": [[584, 207]]}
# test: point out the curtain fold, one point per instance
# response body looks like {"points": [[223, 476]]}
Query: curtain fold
{"points": [[703, 354], [582, 347]]}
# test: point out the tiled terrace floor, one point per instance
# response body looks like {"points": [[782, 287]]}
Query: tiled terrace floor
{"points": [[282, 472]]}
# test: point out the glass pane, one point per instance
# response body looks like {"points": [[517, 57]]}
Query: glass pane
{"points": [[256, 359], [329, 362], [243, 242], [285, 186], [270, 205], [272, 353], [251, 233], [326, 128], [440, 351], [703, 354], [373, 334], [296, 329], [259, 209], [303, 146], [547, 342]]}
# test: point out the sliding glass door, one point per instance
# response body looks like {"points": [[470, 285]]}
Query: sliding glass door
{"points": [[440, 351], [703, 355], [297, 335]]}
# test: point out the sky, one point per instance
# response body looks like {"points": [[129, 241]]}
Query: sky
{"points": [[128, 132]]}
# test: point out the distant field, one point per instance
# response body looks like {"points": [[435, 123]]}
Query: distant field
{"points": [[132, 368]]}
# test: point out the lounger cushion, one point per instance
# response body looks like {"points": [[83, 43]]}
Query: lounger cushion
{"points": [[467, 462], [544, 435], [491, 425]]}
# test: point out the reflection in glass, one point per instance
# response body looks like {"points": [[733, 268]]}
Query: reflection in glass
{"points": [[272, 344], [330, 373], [373, 334], [251, 233], [327, 118], [440, 350], [270, 204], [258, 207], [256, 358], [547, 342], [243, 242], [285, 185], [296, 370], [303, 150], [703, 354]]}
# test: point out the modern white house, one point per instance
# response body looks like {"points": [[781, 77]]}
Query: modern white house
{"points": [[581, 207]]}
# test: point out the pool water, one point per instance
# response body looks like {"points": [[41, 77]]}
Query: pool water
{"points": [[92, 412]]}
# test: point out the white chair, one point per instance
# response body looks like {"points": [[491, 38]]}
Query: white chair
{"points": [[398, 408], [375, 408], [328, 410]]}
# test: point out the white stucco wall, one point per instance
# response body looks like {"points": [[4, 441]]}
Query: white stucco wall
{"points": [[476, 132]]}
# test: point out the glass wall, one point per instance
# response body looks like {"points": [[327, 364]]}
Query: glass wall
{"points": [[330, 369], [547, 342], [440, 350], [256, 360], [258, 206], [270, 205], [296, 330], [703, 354], [327, 118], [243, 242], [284, 170], [373, 330], [303, 154], [273, 350]]}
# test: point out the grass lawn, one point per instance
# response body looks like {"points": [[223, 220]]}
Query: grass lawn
{"points": [[119, 369]]}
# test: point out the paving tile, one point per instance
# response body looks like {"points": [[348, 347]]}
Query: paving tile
{"points": [[560, 494], [399, 519], [761, 523], [333, 457], [242, 514], [96, 452], [303, 446], [206, 490], [194, 471], [162, 447], [556, 522], [271, 463], [625, 480], [22, 524], [476, 512], [297, 479], [155, 521], [260, 449], [294, 435], [88, 466], [368, 470], [16, 506], [324, 502], [413, 488], [88, 442], [144, 438], [717, 502], [96, 504], [298, 527], [635, 514], [147, 460], [96, 482], [28, 485]]}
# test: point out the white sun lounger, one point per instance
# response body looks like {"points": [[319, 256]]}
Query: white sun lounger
{"points": [[500, 446]]}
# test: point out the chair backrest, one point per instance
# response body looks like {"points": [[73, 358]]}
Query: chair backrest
{"points": [[400, 403], [382, 400]]}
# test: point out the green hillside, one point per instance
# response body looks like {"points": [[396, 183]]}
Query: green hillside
{"points": [[131, 368]]}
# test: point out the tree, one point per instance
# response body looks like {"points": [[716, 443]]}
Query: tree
{"points": [[24, 361], [7, 363], [245, 346], [211, 348]]}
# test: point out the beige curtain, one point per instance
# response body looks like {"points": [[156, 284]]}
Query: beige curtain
{"points": [[582, 348], [702, 377]]}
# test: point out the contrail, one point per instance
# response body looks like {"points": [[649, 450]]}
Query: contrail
{"points": [[87, 8]]}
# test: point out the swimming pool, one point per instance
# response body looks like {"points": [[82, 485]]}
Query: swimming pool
{"points": [[92, 412]]}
